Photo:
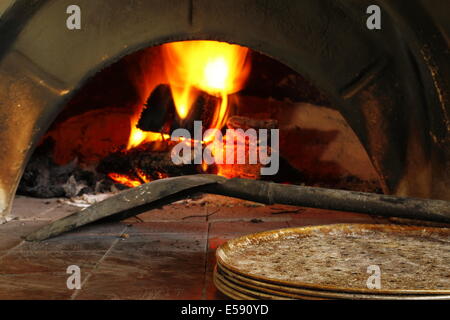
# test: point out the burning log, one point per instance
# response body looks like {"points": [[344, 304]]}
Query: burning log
{"points": [[159, 111], [159, 114], [203, 108], [156, 192], [147, 162]]}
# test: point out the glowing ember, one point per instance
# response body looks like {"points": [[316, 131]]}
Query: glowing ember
{"points": [[143, 176], [124, 179]]}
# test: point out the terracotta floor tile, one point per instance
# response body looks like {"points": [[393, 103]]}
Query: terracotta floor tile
{"points": [[84, 243], [24, 262], [320, 217], [38, 286], [11, 233], [147, 275], [250, 212], [28, 208], [149, 243], [173, 212], [229, 230], [169, 227]]}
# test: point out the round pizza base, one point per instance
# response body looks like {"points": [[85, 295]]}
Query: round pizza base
{"points": [[341, 258]]}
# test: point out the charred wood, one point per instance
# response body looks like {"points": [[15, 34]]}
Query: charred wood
{"points": [[159, 113], [150, 159]]}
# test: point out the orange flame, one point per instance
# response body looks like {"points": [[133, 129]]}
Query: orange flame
{"points": [[143, 176], [137, 136], [217, 68], [124, 179]]}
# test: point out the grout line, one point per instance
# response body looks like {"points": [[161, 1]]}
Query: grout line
{"points": [[205, 273], [34, 219], [180, 220], [8, 251], [263, 219], [75, 294]]}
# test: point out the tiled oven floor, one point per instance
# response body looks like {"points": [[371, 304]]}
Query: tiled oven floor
{"points": [[165, 253]]}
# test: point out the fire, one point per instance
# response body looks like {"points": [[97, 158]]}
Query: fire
{"points": [[143, 176], [124, 179], [137, 136], [217, 68], [216, 73]]}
